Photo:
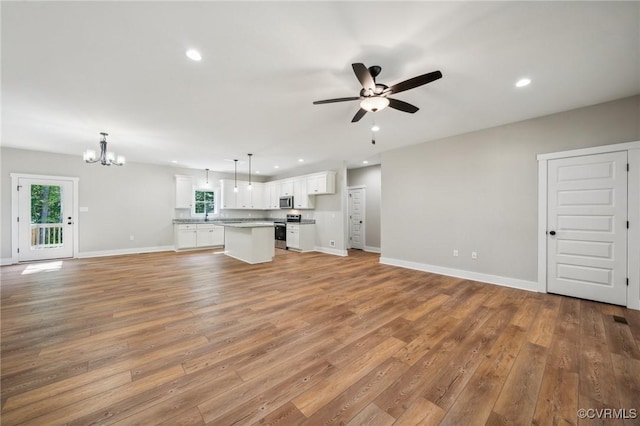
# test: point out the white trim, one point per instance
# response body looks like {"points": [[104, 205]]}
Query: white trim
{"points": [[459, 273], [590, 151], [372, 249], [633, 253], [633, 209], [542, 226], [335, 252], [6, 261], [119, 252], [15, 178]]}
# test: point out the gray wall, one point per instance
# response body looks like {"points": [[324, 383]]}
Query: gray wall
{"points": [[478, 191], [137, 199], [329, 210], [370, 177]]}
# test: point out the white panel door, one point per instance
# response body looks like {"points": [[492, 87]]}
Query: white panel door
{"points": [[45, 221], [356, 218], [587, 227]]}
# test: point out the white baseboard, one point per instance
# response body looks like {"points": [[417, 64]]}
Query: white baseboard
{"points": [[333, 251], [372, 249], [120, 252], [7, 261], [459, 273]]}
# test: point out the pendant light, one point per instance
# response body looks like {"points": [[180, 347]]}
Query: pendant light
{"points": [[249, 170], [207, 170], [235, 176]]}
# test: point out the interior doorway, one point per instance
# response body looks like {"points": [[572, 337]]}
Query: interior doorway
{"points": [[589, 223], [357, 218], [44, 210], [586, 218]]}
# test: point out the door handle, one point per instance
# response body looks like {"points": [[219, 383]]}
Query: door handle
{"points": [[552, 232]]}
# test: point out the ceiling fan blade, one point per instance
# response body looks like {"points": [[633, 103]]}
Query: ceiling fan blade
{"points": [[361, 112], [414, 82], [402, 106], [364, 76], [330, 101]]}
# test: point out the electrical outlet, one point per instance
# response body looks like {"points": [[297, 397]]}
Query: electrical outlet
{"points": [[131, 238], [455, 253], [332, 243], [474, 255]]}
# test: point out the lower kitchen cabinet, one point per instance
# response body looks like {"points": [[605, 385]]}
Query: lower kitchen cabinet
{"points": [[301, 237], [198, 235]]}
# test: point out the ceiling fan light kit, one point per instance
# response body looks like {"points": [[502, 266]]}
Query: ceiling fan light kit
{"points": [[375, 96], [374, 103]]}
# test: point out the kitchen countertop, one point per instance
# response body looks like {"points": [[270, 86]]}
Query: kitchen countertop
{"points": [[249, 225], [223, 221]]}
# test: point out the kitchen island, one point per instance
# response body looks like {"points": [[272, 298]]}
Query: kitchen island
{"points": [[251, 242]]}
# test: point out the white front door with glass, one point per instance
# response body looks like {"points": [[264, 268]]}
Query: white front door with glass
{"points": [[45, 219]]}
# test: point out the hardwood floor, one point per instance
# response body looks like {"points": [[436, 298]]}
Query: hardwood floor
{"points": [[200, 338]]}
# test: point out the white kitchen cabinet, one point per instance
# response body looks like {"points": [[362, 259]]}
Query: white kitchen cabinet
{"points": [[272, 195], [184, 192], [301, 199], [185, 236], [321, 183], [228, 196], [286, 188], [244, 198], [301, 237], [249, 198], [209, 235], [198, 235], [257, 196]]}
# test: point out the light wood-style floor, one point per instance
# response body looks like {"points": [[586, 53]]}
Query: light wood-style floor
{"points": [[200, 338]]}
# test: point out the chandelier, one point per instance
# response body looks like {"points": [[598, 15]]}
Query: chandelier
{"points": [[106, 158]]}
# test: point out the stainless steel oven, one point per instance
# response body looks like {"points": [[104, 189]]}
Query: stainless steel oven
{"points": [[280, 227], [281, 234]]}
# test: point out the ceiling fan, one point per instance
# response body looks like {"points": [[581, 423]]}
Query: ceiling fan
{"points": [[375, 96]]}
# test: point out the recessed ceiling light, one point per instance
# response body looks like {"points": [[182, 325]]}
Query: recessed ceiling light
{"points": [[194, 55], [257, 172], [523, 82], [375, 128], [174, 161], [276, 167], [300, 160], [365, 162]]}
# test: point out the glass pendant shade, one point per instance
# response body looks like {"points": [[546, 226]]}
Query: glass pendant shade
{"points": [[374, 103]]}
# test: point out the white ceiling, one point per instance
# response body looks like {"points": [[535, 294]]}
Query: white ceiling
{"points": [[71, 70]]}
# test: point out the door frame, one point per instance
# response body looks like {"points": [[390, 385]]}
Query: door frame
{"points": [[364, 215], [633, 213], [15, 212]]}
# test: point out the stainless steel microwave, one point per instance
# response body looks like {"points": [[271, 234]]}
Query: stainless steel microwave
{"points": [[286, 202]]}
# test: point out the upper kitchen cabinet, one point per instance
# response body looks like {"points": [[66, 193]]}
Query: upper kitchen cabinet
{"points": [[301, 198], [228, 194], [250, 197], [184, 192], [286, 187], [244, 198], [321, 183], [272, 195]]}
